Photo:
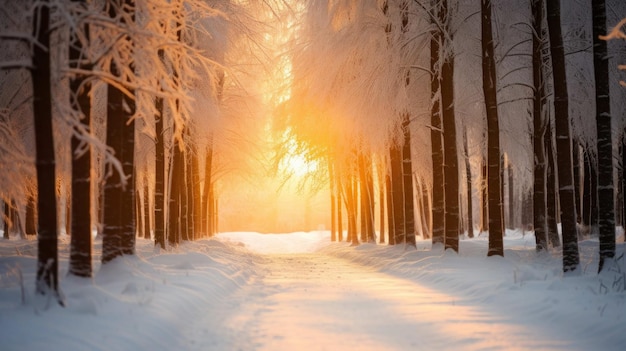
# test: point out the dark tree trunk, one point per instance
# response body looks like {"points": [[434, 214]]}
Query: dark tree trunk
{"points": [[339, 209], [119, 199], [184, 198], [31, 216], [551, 192], [80, 88], [484, 211], [146, 210], [438, 207], [606, 211], [512, 203], [567, 198], [407, 184], [333, 201], [159, 184], [391, 239], [397, 194], [207, 199], [174, 221], [381, 201], [539, 130], [623, 180], [468, 178], [496, 225], [450, 168], [577, 176], [47, 251], [196, 194], [7, 219], [588, 193]]}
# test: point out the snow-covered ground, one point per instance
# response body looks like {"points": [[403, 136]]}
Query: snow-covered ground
{"points": [[249, 291]]}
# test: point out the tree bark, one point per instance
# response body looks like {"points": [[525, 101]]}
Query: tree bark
{"points": [[567, 198], [407, 184], [207, 199], [438, 207], [450, 168], [397, 194], [80, 88], [47, 251], [551, 192], [606, 211], [119, 200], [159, 184], [539, 130], [496, 225], [333, 201], [468, 178]]}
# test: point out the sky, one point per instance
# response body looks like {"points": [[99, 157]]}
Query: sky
{"points": [[252, 291]]}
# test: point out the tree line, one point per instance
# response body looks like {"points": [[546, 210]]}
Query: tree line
{"points": [[124, 102], [392, 105]]}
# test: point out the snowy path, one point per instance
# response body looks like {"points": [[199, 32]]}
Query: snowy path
{"points": [[317, 302]]}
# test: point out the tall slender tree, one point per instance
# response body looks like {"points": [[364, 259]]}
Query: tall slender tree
{"points": [[539, 129], [119, 194], [606, 211], [438, 206], [80, 87], [451, 167], [47, 250], [496, 225], [565, 175]]}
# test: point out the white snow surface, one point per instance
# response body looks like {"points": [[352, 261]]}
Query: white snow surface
{"points": [[298, 291]]}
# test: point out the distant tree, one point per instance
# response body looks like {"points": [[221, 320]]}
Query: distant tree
{"points": [[47, 251], [606, 211], [567, 198]]}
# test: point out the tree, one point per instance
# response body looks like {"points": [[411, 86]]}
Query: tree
{"points": [[450, 168], [80, 87], [119, 194], [606, 212], [539, 129], [438, 207], [496, 226], [563, 140], [47, 251]]}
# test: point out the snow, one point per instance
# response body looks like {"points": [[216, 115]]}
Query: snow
{"points": [[250, 291]]}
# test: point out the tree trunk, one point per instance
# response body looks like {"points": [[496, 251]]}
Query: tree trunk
{"points": [[496, 225], [567, 198], [31, 216], [184, 198], [207, 199], [47, 251], [606, 211], [174, 225], [484, 211], [438, 207], [7, 219], [146, 210], [119, 199], [468, 177], [397, 194], [381, 201], [333, 201], [539, 130], [80, 88], [577, 176], [196, 194], [407, 184], [551, 192], [450, 168], [159, 183]]}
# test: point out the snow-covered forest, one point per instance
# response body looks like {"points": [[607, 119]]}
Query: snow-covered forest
{"points": [[386, 122]]}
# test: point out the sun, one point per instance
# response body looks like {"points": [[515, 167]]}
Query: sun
{"points": [[297, 165]]}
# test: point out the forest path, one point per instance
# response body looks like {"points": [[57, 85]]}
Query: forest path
{"points": [[318, 302]]}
